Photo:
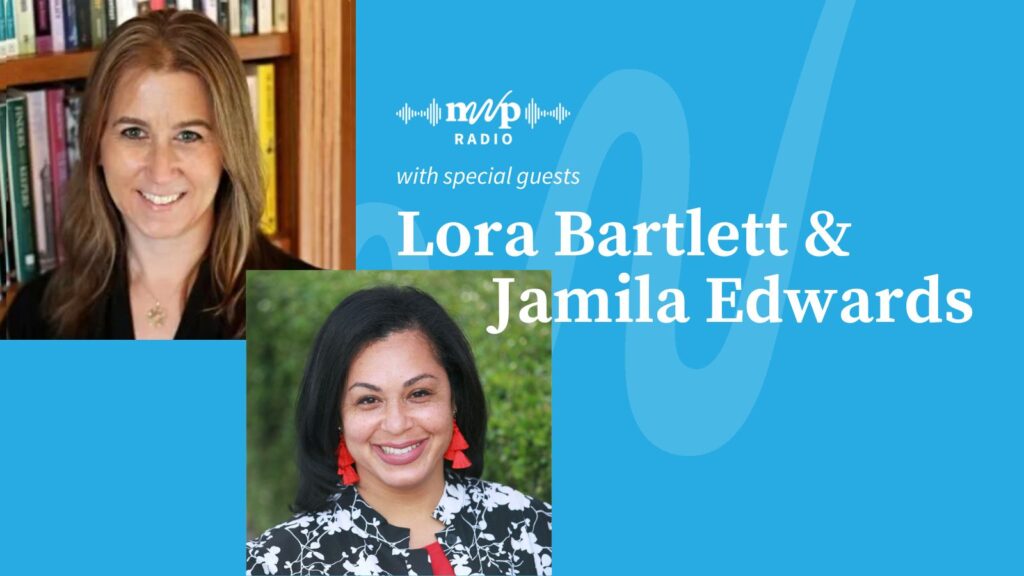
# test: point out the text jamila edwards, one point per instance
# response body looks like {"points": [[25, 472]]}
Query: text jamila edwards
{"points": [[729, 303]]}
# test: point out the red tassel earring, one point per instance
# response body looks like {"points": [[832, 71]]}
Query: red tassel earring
{"points": [[346, 468], [455, 448]]}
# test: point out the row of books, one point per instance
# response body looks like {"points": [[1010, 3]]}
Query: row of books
{"points": [[39, 150], [44, 26]]}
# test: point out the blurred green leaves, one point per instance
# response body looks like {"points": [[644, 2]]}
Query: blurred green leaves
{"points": [[285, 310]]}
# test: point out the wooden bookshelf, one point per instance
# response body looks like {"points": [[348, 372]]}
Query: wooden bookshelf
{"points": [[315, 123], [63, 66]]}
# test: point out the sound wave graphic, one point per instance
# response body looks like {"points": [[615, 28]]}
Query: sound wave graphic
{"points": [[535, 113], [432, 113]]}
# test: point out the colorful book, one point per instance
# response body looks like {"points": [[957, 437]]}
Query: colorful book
{"points": [[98, 17], [25, 26], [248, 17], [8, 37], [41, 176], [70, 24], [268, 146], [57, 25], [6, 263], [83, 18], [44, 43], [58, 162], [25, 265]]}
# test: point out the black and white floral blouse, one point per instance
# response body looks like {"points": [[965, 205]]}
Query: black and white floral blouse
{"points": [[488, 529]]}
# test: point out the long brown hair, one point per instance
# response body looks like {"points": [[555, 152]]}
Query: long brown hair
{"points": [[93, 232]]}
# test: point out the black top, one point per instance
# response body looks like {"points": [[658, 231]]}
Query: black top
{"points": [[488, 529], [111, 317]]}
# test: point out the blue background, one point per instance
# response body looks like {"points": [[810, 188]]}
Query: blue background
{"points": [[801, 448], [122, 458], [724, 448]]}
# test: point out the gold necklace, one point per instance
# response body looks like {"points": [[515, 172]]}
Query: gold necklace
{"points": [[156, 315]]}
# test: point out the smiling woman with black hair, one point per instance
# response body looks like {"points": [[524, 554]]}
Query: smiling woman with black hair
{"points": [[391, 424]]}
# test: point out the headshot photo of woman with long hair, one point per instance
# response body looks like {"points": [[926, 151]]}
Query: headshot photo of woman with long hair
{"points": [[391, 427], [162, 215]]}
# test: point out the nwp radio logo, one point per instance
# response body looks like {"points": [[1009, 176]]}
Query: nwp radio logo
{"points": [[495, 119]]}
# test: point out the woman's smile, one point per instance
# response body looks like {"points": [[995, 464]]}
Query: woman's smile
{"points": [[400, 454], [161, 200]]}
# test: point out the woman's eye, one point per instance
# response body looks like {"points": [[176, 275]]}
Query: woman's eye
{"points": [[366, 401], [133, 133], [421, 393], [189, 136]]}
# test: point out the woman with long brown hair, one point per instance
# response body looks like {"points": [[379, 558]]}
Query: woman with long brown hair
{"points": [[163, 213]]}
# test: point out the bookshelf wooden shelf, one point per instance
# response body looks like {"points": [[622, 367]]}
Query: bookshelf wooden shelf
{"points": [[315, 123], [62, 66]]}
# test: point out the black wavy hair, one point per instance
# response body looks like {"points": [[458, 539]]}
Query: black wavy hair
{"points": [[365, 317]]}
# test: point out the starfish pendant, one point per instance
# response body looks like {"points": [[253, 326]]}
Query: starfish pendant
{"points": [[156, 315]]}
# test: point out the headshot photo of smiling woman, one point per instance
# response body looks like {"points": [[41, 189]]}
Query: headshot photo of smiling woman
{"points": [[391, 428], [162, 216]]}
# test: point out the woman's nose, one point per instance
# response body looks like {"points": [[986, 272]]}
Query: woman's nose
{"points": [[396, 420], [163, 163]]}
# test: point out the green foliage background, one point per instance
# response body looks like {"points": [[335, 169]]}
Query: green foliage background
{"points": [[286, 309]]}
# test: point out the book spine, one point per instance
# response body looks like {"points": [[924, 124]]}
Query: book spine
{"points": [[254, 94], [126, 10], [21, 189], [281, 15], [111, 13], [83, 18], [98, 14], [223, 15], [264, 16], [72, 120], [25, 25], [235, 17], [268, 147], [72, 115], [248, 23], [41, 177], [70, 24], [6, 264], [8, 39], [44, 43], [58, 162], [210, 8], [57, 24]]}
